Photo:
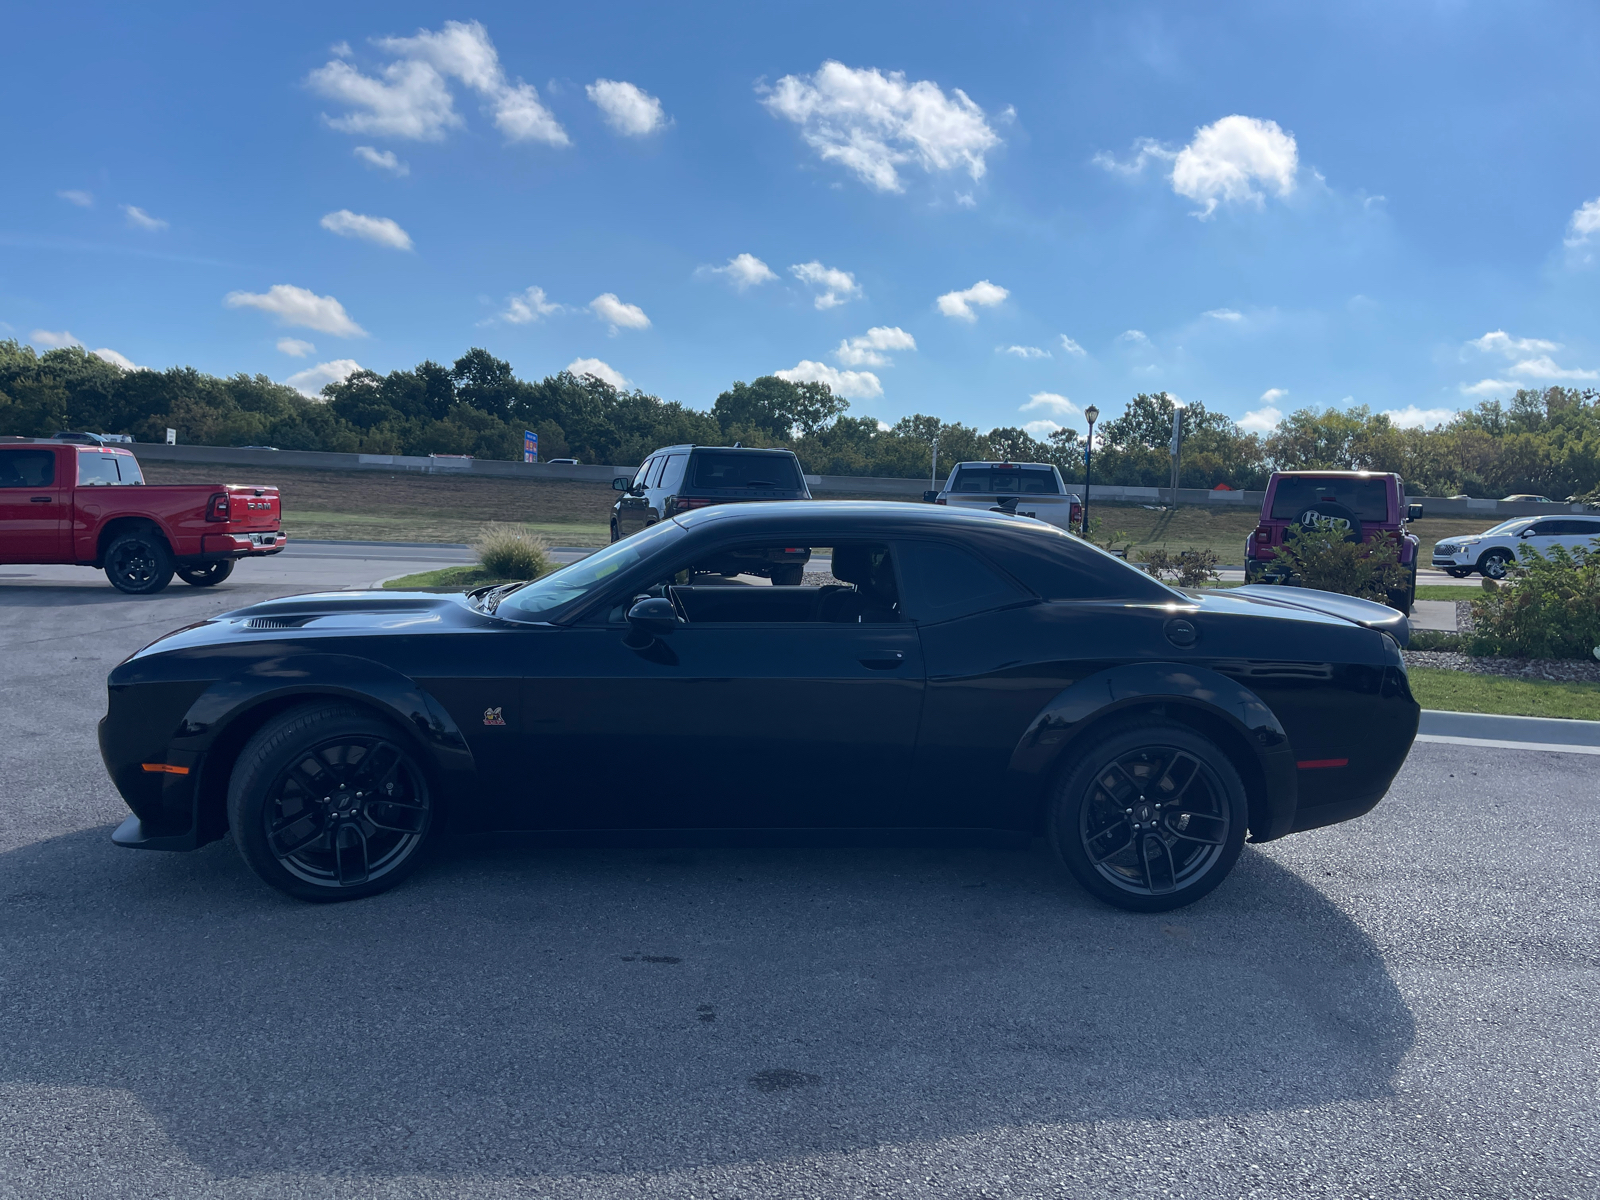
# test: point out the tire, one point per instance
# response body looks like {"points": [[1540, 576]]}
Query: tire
{"points": [[1171, 859], [1405, 599], [1457, 572], [1494, 563], [207, 574], [790, 576], [615, 536], [139, 563], [320, 850]]}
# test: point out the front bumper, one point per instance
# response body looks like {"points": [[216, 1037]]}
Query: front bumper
{"points": [[243, 545]]}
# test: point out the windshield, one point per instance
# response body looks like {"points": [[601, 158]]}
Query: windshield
{"points": [[1030, 481], [729, 469], [1505, 526], [536, 601]]}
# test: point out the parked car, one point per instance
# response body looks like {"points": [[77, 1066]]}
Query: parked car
{"points": [[679, 479], [967, 671], [86, 439], [65, 502], [563, 462], [1022, 489], [1363, 505], [1523, 498], [1493, 550]]}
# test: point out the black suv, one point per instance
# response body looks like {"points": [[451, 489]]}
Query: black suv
{"points": [[676, 479]]}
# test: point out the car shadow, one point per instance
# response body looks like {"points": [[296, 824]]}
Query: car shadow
{"points": [[522, 1010]]}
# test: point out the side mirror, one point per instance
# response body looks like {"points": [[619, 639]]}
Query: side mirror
{"points": [[620, 483], [653, 615], [929, 497], [1526, 533], [1413, 512]]}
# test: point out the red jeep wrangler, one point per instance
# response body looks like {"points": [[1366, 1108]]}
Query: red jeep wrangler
{"points": [[1365, 504], [89, 505]]}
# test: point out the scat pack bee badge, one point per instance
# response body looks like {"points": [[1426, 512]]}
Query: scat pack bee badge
{"points": [[491, 716]]}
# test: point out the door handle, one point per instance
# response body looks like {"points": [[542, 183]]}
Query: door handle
{"points": [[39, 500], [886, 661]]}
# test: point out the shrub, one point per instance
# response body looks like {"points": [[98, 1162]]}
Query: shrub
{"points": [[1189, 568], [1434, 639], [1549, 607], [512, 552], [1320, 557]]}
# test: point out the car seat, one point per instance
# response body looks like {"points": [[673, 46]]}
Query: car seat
{"points": [[875, 598]]}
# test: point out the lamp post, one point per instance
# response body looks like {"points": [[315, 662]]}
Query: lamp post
{"points": [[1091, 415]]}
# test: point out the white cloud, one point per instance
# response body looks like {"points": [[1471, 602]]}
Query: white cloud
{"points": [[413, 100], [312, 380], [1412, 417], [1022, 351], [965, 200], [1223, 314], [600, 370], [1263, 420], [629, 110], [299, 306], [744, 271], [383, 160], [121, 361], [1134, 337], [341, 49], [1072, 347], [619, 315], [1041, 429], [1544, 367], [1583, 225], [295, 347], [867, 350], [381, 230], [857, 385], [1273, 395], [1488, 387], [872, 123], [833, 286], [959, 304], [528, 306], [1225, 162], [54, 339], [81, 199], [1499, 340], [139, 219], [1051, 402]]}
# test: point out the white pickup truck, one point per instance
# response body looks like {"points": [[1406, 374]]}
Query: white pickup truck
{"points": [[1027, 489]]}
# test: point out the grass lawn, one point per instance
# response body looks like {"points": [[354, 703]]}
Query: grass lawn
{"points": [[1456, 691], [455, 579]]}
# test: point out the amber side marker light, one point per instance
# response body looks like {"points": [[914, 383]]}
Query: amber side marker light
{"points": [[1306, 764], [165, 769]]}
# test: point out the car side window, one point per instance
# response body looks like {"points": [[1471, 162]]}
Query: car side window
{"points": [[27, 468], [97, 469], [643, 473], [672, 475], [1545, 528], [944, 581], [655, 474]]}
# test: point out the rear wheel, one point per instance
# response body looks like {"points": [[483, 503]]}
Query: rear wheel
{"points": [[1151, 818], [139, 563], [328, 802], [207, 574], [1494, 564], [790, 576]]}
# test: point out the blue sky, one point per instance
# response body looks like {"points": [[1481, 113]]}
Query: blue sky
{"points": [[995, 213]]}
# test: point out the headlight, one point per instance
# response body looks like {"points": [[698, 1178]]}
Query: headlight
{"points": [[1470, 542]]}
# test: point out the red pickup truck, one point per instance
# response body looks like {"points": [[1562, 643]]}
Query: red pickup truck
{"points": [[90, 505]]}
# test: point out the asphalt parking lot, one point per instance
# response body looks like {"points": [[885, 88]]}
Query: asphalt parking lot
{"points": [[1407, 1005]]}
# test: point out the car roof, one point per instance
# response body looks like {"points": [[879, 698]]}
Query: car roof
{"points": [[730, 449], [886, 516], [1005, 462], [1332, 474]]}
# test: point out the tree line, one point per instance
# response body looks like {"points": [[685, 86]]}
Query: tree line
{"points": [[1542, 440]]}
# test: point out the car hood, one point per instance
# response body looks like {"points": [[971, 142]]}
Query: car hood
{"points": [[1288, 600], [324, 614]]}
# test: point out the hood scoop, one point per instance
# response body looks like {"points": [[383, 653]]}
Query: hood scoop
{"points": [[280, 622]]}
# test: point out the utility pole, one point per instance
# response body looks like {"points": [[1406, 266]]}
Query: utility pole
{"points": [[933, 473], [1177, 450]]}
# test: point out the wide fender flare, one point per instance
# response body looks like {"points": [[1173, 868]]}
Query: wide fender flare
{"points": [[1135, 685], [312, 676]]}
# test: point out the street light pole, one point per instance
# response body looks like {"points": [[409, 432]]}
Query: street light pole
{"points": [[933, 474], [1090, 414]]}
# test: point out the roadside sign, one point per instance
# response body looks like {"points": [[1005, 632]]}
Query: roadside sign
{"points": [[530, 446], [172, 437]]}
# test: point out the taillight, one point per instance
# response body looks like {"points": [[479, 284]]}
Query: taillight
{"points": [[217, 508], [687, 502], [1263, 535], [940, 500]]}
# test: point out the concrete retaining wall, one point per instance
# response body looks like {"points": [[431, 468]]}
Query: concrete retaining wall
{"points": [[820, 485]]}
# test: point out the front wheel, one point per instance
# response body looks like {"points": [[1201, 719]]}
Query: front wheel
{"points": [[615, 536], [328, 802], [1151, 818], [207, 574], [139, 563]]}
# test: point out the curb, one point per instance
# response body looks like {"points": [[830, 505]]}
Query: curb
{"points": [[1511, 733]]}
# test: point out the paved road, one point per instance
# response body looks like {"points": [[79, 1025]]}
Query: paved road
{"points": [[1403, 1006]]}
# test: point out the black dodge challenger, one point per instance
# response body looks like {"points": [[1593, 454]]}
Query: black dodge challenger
{"points": [[939, 669]]}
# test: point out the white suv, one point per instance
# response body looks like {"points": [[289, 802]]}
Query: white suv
{"points": [[1026, 489], [1493, 550]]}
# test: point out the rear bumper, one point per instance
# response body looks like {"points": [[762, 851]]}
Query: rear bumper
{"points": [[243, 545], [133, 835]]}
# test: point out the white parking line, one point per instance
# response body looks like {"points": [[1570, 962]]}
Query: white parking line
{"points": [[1498, 744]]}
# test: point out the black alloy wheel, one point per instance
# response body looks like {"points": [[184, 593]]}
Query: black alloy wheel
{"points": [[1151, 818], [1494, 564], [328, 802], [206, 574], [139, 563]]}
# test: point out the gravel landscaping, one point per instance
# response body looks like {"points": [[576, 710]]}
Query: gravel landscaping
{"points": [[1557, 670]]}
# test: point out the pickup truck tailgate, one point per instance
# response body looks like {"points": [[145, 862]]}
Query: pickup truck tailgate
{"points": [[251, 508]]}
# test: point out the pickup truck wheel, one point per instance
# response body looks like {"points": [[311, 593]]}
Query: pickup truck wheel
{"points": [[139, 563], [1150, 818], [328, 802], [207, 574], [788, 576]]}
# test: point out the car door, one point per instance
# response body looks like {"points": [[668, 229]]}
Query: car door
{"points": [[34, 497], [1543, 534], [632, 507], [1576, 533]]}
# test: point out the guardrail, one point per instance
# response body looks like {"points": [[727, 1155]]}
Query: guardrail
{"points": [[858, 485]]}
